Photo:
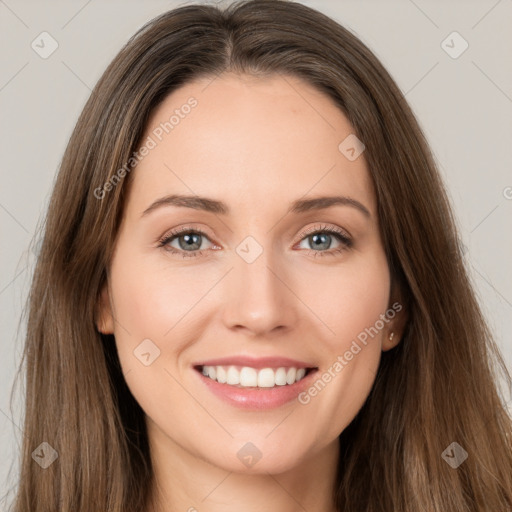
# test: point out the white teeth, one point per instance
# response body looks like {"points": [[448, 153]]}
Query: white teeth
{"points": [[250, 377], [222, 376], [233, 376], [266, 378], [300, 374], [281, 376], [290, 375]]}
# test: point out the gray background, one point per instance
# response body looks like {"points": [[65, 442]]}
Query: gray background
{"points": [[464, 106]]}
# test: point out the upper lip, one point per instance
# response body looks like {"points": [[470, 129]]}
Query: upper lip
{"points": [[256, 362]]}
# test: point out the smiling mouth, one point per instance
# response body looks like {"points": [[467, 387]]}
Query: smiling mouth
{"points": [[248, 377]]}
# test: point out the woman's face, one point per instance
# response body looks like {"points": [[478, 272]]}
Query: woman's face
{"points": [[249, 267]]}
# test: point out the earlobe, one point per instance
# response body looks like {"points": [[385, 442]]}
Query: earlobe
{"points": [[394, 331], [391, 341], [104, 318]]}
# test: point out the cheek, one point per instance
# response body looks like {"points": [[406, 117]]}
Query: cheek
{"points": [[173, 304], [351, 304], [153, 301], [348, 299], [157, 300], [151, 296]]}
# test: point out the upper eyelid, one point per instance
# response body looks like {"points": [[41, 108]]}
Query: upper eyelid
{"points": [[327, 228]]}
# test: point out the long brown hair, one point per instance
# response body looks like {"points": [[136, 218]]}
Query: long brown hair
{"points": [[437, 387]]}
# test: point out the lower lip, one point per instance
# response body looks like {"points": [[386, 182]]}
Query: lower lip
{"points": [[257, 398]]}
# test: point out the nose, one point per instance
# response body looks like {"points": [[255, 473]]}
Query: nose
{"points": [[259, 298]]}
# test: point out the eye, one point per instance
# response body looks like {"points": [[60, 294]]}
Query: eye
{"points": [[321, 237], [189, 242]]}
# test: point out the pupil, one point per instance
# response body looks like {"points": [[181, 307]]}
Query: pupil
{"points": [[323, 244], [191, 241]]}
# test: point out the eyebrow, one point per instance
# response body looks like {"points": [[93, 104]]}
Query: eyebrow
{"points": [[218, 207]]}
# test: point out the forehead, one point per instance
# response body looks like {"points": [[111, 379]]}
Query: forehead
{"points": [[250, 141]]}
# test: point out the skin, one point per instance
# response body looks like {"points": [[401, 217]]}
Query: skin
{"points": [[257, 145]]}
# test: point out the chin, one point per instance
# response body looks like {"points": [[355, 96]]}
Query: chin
{"points": [[248, 459]]}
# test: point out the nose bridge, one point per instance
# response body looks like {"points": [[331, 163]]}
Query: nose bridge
{"points": [[258, 298]]}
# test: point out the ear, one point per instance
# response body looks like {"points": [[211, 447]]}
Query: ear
{"points": [[104, 317], [394, 329]]}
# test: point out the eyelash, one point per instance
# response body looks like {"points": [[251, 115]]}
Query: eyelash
{"points": [[339, 234]]}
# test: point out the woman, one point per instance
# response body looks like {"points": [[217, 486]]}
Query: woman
{"points": [[250, 293]]}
